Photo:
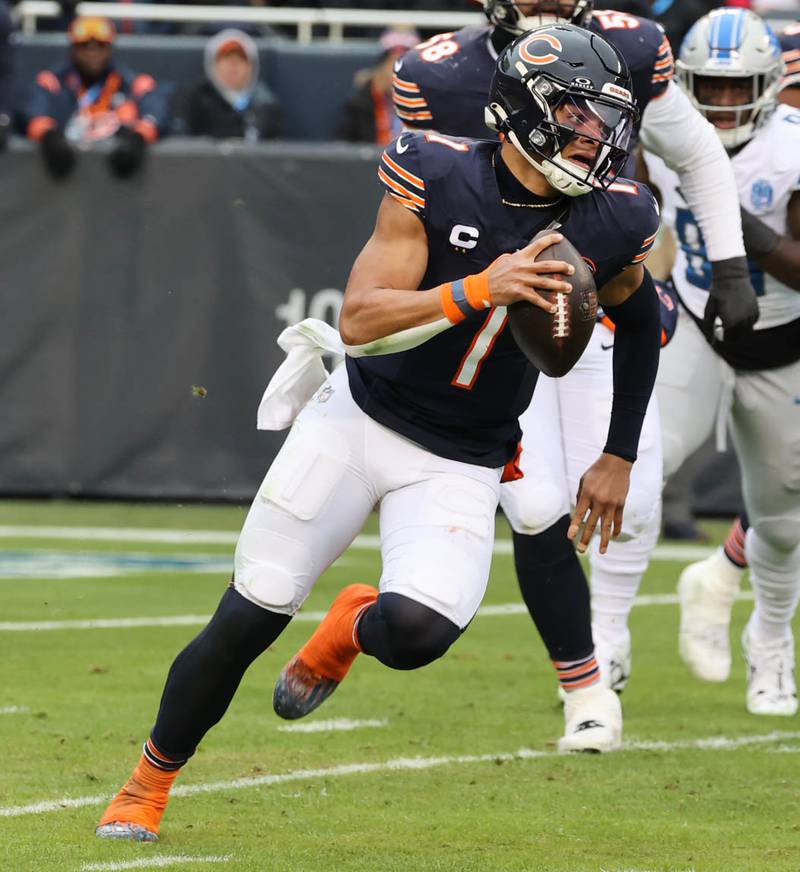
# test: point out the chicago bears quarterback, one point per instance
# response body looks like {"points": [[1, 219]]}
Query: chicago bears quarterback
{"points": [[424, 432], [731, 66], [439, 85]]}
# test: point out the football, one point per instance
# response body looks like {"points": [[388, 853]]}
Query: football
{"points": [[554, 342]]}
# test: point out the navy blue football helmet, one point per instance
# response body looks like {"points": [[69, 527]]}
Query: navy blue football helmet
{"points": [[562, 96]]}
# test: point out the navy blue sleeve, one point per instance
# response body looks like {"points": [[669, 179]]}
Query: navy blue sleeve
{"points": [[410, 91], [402, 175], [629, 213], [636, 354], [790, 45], [44, 106], [443, 84], [152, 101]]}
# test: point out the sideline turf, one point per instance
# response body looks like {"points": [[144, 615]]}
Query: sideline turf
{"points": [[92, 696]]}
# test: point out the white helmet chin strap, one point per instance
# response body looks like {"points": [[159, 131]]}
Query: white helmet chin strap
{"points": [[554, 173]]}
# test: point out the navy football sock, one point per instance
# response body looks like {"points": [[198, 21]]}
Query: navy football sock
{"points": [[205, 675], [555, 591]]}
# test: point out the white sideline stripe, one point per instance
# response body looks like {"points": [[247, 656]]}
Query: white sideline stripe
{"points": [[498, 611], [14, 710], [222, 537], [333, 724], [712, 743], [152, 863]]}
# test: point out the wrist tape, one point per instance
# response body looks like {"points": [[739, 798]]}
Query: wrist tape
{"points": [[465, 296]]}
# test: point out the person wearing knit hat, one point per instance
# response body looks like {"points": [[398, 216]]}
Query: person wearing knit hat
{"points": [[232, 102], [92, 98]]}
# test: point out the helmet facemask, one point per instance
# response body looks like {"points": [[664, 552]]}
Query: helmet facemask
{"points": [[736, 105], [519, 17], [582, 139]]}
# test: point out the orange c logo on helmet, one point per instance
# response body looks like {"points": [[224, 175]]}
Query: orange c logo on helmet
{"points": [[540, 60]]}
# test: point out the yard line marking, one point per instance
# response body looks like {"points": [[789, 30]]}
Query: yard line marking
{"points": [[332, 724], [496, 611], [364, 542], [399, 764], [153, 862], [14, 710]]}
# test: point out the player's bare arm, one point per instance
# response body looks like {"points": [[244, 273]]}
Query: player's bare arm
{"points": [[777, 255], [604, 486], [381, 297]]}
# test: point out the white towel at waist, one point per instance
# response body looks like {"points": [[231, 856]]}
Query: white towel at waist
{"points": [[301, 374]]}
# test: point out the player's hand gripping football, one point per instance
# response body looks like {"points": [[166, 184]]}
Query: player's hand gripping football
{"points": [[601, 499], [515, 277]]}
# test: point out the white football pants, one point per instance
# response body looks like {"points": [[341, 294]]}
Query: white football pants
{"points": [[437, 516], [698, 391], [564, 432]]}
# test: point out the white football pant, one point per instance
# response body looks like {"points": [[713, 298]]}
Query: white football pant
{"points": [[437, 516], [698, 391], [564, 432]]}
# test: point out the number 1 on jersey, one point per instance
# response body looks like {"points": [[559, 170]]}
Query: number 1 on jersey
{"points": [[481, 347]]}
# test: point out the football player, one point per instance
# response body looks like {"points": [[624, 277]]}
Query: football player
{"points": [[705, 637], [440, 85], [790, 85], [731, 66], [424, 432]]}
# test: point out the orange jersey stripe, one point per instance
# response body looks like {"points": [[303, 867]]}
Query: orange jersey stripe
{"points": [[404, 85], [411, 102], [405, 174], [407, 203], [415, 116], [398, 188]]}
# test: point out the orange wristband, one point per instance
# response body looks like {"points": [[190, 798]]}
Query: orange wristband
{"points": [[451, 311], [477, 291]]}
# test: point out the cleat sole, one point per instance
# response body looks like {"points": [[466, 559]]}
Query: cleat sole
{"points": [[126, 831], [298, 692]]}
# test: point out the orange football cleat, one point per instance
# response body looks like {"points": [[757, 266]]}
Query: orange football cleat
{"points": [[313, 674], [135, 812]]}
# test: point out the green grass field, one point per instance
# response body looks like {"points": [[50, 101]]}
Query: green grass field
{"points": [[458, 771]]}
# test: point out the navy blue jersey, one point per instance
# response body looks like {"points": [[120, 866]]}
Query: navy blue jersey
{"points": [[443, 83], [461, 393], [790, 45]]}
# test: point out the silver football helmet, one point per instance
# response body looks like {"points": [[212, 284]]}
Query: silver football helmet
{"points": [[519, 17], [730, 65]]}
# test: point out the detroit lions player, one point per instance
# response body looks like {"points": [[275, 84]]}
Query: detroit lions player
{"points": [[440, 85], [705, 637], [730, 63], [424, 432]]}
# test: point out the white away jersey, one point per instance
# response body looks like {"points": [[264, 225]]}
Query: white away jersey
{"points": [[767, 173]]}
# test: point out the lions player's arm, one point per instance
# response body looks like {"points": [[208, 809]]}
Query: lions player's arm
{"points": [[630, 300], [381, 300], [675, 131], [782, 257]]}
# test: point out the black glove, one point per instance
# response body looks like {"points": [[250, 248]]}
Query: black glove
{"points": [[128, 153], [731, 298], [59, 155], [759, 239]]}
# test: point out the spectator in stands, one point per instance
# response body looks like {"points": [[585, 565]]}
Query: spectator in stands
{"points": [[368, 115], [233, 101], [6, 73], [91, 98]]}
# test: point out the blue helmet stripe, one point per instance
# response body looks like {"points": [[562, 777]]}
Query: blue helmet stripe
{"points": [[726, 34]]}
